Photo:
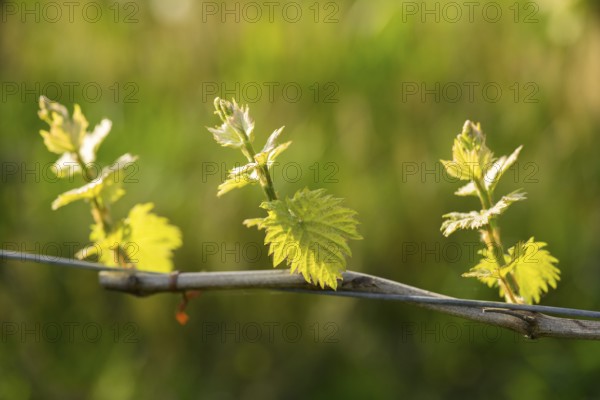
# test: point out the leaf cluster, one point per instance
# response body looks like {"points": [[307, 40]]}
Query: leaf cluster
{"points": [[527, 269], [310, 230], [142, 239]]}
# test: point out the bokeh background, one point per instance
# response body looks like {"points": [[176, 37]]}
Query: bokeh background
{"points": [[372, 94]]}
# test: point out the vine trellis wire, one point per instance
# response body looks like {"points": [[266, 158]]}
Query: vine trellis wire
{"points": [[532, 321]]}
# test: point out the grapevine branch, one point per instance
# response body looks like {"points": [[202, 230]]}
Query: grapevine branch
{"points": [[531, 321]]}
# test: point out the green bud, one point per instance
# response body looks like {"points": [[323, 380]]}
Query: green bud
{"points": [[224, 109]]}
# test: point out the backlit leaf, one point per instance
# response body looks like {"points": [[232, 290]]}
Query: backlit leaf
{"points": [[147, 240], [534, 269], [498, 168], [107, 185], [470, 155], [310, 232], [239, 177], [478, 219], [66, 132]]}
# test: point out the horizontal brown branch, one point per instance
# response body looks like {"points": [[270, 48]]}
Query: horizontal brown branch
{"points": [[531, 324], [530, 321]]}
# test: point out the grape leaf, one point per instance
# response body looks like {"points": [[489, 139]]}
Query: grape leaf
{"points": [[533, 269], [147, 239], [226, 136], [66, 133], [498, 168], [107, 185], [310, 232], [470, 155], [91, 141], [467, 190], [67, 136], [237, 126], [66, 166], [241, 176], [486, 270], [477, 219]]}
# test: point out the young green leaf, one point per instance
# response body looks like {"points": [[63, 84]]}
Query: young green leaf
{"points": [[248, 174], [239, 177], [493, 173], [66, 166], [147, 240], [467, 190], [226, 136], [91, 141], [530, 265], [310, 232], [67, 136], [518, 278], [237, 117], [478, 219], [470, 155], [237, 126], [486, 270], [534, 269], [66, 133], [106, 186], [498, 168]]}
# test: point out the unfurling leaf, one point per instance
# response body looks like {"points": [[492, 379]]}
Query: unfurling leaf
{"points": [[146, 240], [106, 186], [498, 168], [492, 175], [67, 136], [470, 155], [237, 126], [226, 136], [478, 219], [66, 133], [310, 232], [467, 190], [241, 176], [91, 141]]}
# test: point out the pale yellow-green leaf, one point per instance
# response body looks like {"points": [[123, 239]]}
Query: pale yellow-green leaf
{"points": [[493, 173], [528, 264], [66, 133], [486, 270], [310, 232], [470, 155], [150, 239], [66, 166], [226, 136], [237, 125], [106, 186], [147, 240], [91, 141], [239, 177], [104, 245], [534, 269], [477, 219], [498, 168], [467, 190]]}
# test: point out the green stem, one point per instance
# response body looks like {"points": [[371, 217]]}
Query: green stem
{"points": [[493, 242], [101, 214], [263, 171]]}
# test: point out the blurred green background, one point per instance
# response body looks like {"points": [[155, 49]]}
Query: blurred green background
{"points": [[372, 94]]}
